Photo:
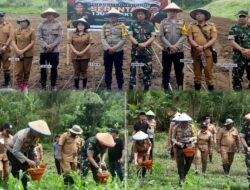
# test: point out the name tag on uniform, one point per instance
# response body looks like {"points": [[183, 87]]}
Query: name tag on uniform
{"points": [[186, 61], [46, 66], [137, 64]]}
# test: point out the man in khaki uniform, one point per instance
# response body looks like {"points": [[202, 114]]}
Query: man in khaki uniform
{"points": [[68, 149], [202, 43], [228, 144], [6, 34]]}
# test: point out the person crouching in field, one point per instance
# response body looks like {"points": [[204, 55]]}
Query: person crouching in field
{"points": [[227, 144], [23, 43], [55, 148], [5, 137], [80, 43], [115, 155], [21, 148], [141, 34], [183, 137], [68, 149], [141, 149], [92, 153], [204, 145]]}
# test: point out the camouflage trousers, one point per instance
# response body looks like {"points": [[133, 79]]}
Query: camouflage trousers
{"points": [[146, 69], [238, 72], [247, 161], [85, 165]]}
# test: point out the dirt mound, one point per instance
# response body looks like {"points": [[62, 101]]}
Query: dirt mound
{"points": [[95, 74]]}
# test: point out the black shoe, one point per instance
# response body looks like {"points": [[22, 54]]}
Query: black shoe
{"points": [[131, 87], [146, 88], [84, 83], [210, 158], [76, 84], [7, 80], [197, 86], [210, 87]]}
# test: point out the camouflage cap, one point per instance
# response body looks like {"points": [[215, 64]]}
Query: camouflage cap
{"points": [[242, 13]]}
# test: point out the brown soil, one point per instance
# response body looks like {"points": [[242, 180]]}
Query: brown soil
{"points": [[65, 78]]}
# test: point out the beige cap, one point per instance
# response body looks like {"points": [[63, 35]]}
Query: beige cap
{"points": [[184, 118], [49, 11], [76, 129], [150, 113], [173, 7], [106, 139], [228, 122], [40, 126]]}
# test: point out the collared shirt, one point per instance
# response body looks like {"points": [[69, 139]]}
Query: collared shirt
{"points": [[49, 33], [173, 32], [70, 147], [141, 126], [182, 134], [142, 148], [23, 38], [204, 140], [80, 42], [6, 32], [114, 35], [195, 33], [21, 143], [3, 146], [228, 139]]}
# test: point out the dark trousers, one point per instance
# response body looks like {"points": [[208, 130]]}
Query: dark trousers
{"points": [[116, 59], [167, 60], [53, 60], [58, 167], [116, 169], [94, 170], [17, 166], [183, 163]]}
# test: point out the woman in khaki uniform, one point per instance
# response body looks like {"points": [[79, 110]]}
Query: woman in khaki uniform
{"points": [[228, 144], [23, 43], [80, 44], [204, 145], [141, 149]]}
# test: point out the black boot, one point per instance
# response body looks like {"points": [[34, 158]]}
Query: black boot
{"points": [[7, 80], [210, 87], [84, 83], [210, 158], [226, 169], [197, 86], [146, 88], [77, 84]]}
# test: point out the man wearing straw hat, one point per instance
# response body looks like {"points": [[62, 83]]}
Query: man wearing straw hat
{"points": [[49, 34], [113, 37], [92, 154], [141, 34], [6, 35], [183, 137], [227, 144], [173, 34], [245, 140], [21, 148], [239, 36], [202, 36], [68, 149]]}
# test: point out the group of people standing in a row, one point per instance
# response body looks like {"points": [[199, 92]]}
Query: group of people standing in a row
{"points": [[22, 151], [173, 32], [183, 134]]}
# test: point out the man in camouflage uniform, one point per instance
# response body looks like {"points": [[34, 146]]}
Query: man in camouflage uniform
{"points": [[113, 38], [172, 34], [6, 35], [245, 140], [239, 35], [142, 34], [201, 47], [92, 154]]}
